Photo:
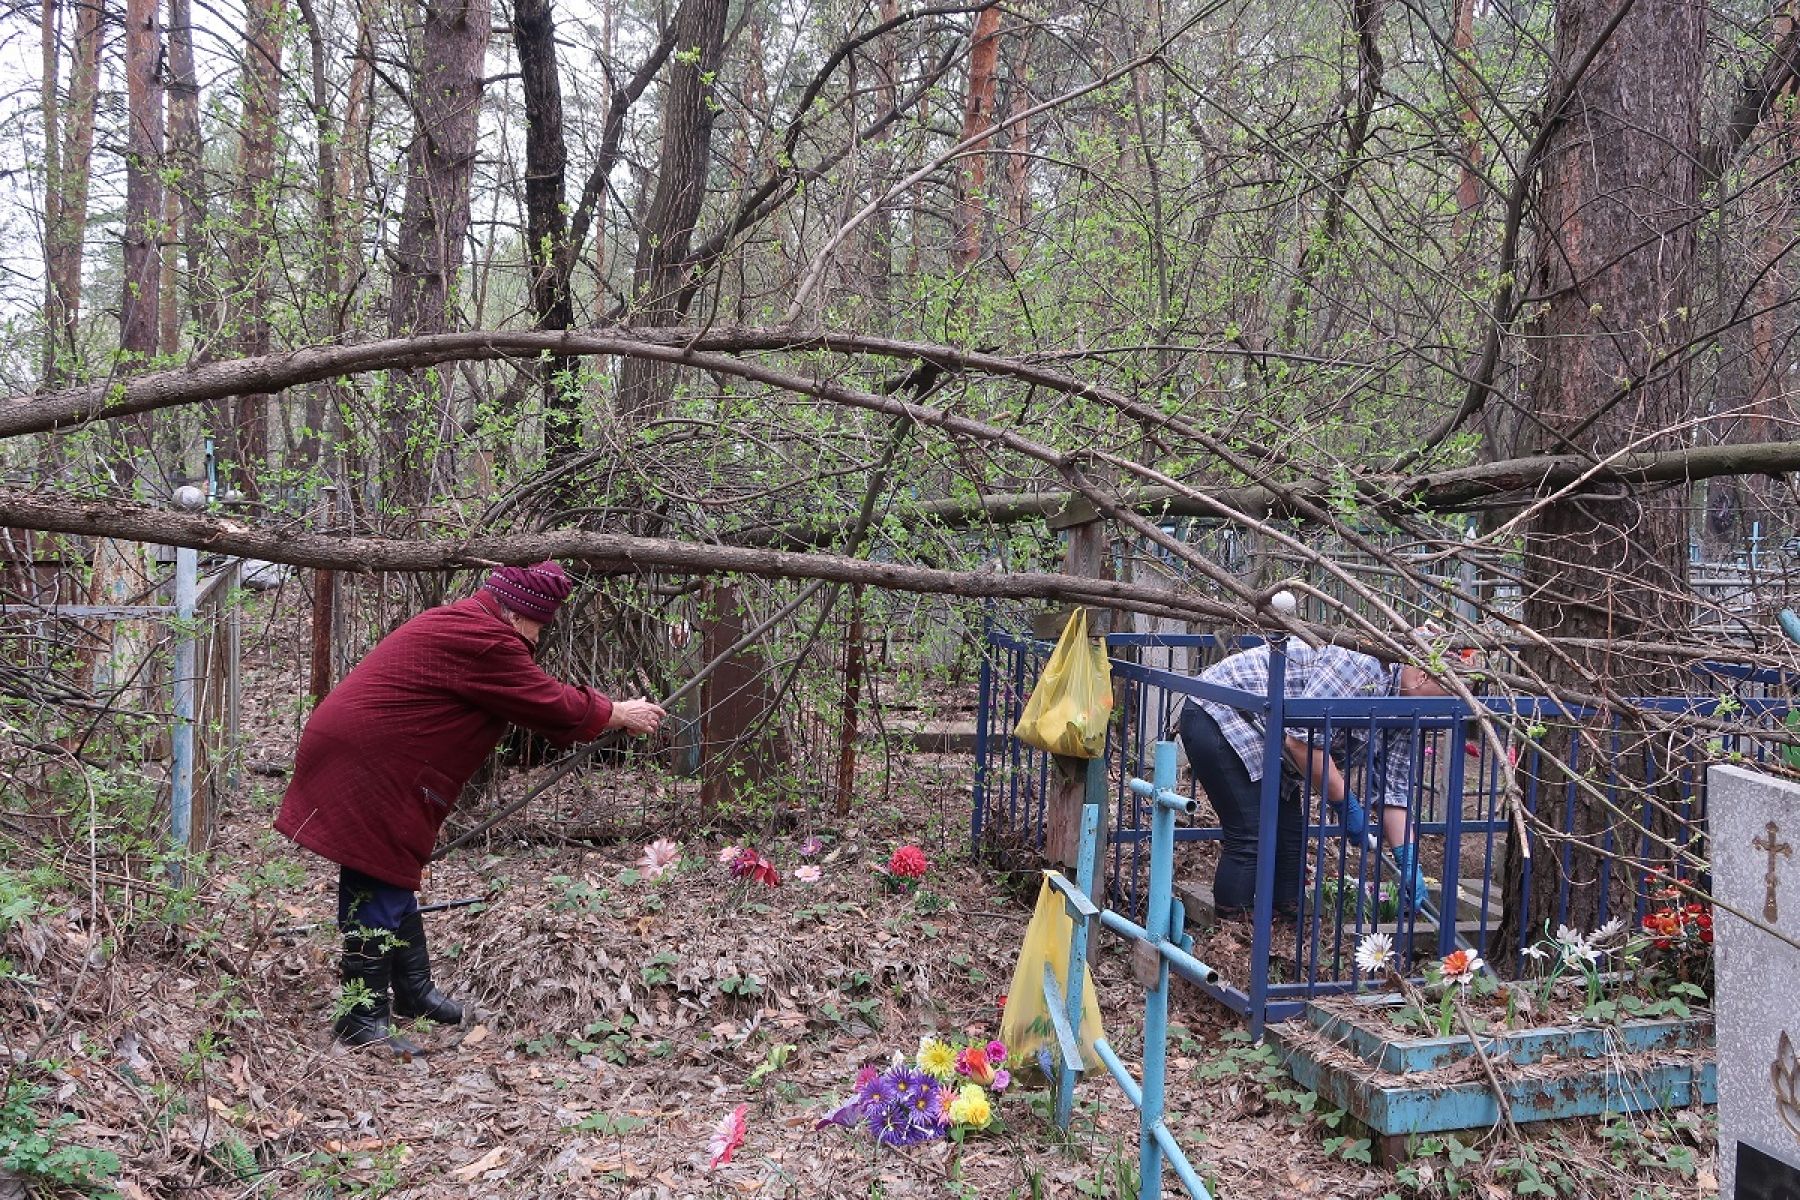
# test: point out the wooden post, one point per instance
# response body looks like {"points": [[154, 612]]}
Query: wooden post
{"points": [[1086, 555], [324, 600], [853, 671]]}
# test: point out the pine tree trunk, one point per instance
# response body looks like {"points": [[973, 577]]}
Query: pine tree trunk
{"points": [[253, 246], [978, 114], [546, 216], [1616, 242], [138, 307], [661, 291], [434, 225]]}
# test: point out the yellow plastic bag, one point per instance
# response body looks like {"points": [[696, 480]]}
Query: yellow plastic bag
{"points": [[1069, 709], [1026, 1026]]}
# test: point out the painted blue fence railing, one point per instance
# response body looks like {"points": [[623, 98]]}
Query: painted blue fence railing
{"points": [[1458, 813], [1162, 933]]}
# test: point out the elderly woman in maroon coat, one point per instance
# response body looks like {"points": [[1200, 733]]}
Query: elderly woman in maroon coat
{"points": [[385, 756]]}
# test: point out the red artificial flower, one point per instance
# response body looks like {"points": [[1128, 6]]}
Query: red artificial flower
{"points": [[908, 862], [751, 865]]}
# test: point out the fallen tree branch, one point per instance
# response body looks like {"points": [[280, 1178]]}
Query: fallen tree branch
{"points": [[1486, 485], [605, 551]]}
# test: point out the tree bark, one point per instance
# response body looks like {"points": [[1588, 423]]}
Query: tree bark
{"points": [[660, 294], [138, 308], [546, 222], [187, 173], [330, 254], [978, 114], [1462, 41], [434, 224], [253, 248], [1616, 239], [48, 80]]}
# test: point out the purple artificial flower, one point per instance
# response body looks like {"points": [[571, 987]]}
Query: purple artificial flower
{"points": [[811, 846], [1002, 1079], [847, 1114], [903, 1107], [996, 1052]]}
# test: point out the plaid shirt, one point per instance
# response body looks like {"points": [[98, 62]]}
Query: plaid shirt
{"points": [[1315, 673]]}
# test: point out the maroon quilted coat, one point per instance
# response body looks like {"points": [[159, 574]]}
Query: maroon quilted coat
{"points": [[384, 758]]}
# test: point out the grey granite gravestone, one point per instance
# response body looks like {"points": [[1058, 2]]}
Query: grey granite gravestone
{"points": [[1754, 823]]}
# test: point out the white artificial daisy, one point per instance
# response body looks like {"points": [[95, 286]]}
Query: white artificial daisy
{"points": [[1375, 953]]}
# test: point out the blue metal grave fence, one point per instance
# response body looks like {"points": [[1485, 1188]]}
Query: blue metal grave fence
{"points": [[1457, 814], [1162, 934]]}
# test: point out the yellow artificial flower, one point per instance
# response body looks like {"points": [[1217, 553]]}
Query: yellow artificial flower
{"points": [[936, 1058], [971, 1108]]}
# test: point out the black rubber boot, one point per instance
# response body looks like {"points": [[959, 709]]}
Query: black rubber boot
{"points": [[366, 960], [414, 993]]}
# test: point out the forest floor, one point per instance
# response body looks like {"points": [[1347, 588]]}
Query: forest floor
{"points": [[617, 1019]]}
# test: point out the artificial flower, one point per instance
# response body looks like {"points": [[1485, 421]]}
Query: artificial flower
{"points": [[726, 1138], [936, 1058], [996, 1051], [972, 1108], [729, 854], [658, 857], [1002, 1079], [904, 1107], [751, 865], [811, 846], [1606, 932], [808, 874], [1460, 966], [1375, 953], [908, 862], [973, 1063], [1574, 948]]}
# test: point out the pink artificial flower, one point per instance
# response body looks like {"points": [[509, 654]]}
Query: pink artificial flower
{"points": [[1002, 1080], [728, 854], [908, 862], [808, 874], [811, 846], [726, 1138], [659, 856], [996, 1051]]}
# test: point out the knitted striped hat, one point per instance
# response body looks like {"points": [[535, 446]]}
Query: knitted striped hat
{"points": [[532, 592]]}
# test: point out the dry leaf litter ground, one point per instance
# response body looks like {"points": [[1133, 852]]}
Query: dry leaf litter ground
{"points": [[616, 1019]]}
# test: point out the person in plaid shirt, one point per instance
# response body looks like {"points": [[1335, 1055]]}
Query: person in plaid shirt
{"points": [[1225, 750]]}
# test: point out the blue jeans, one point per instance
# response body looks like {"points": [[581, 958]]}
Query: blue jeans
{"points": [[365, 902], [1238, 800]]}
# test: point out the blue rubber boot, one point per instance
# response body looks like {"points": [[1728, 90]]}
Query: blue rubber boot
{"points": [[1411, 880]]}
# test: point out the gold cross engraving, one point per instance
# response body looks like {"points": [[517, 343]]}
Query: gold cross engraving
{"points": [[1776, 849]]}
